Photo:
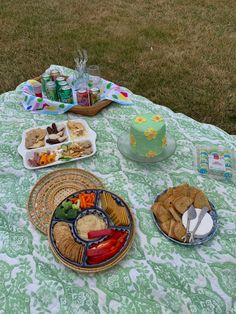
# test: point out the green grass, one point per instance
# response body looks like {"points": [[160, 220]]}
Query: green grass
{"points": [[177, 53]]}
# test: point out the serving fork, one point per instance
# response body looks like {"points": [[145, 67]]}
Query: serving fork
{"points": [[191, 215], [203, 212]]}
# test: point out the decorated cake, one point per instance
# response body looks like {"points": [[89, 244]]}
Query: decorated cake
{"points": [[148, 135]]}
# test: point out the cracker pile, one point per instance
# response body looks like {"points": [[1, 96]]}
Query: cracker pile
{"points": [[66, 244], [76, 150], [35, 138], [171, 206], [117, 213], [76, 128]]}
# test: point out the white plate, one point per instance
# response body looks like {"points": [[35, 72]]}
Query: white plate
{"points": [[28, 153]]}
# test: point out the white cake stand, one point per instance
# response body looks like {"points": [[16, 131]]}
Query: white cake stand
{"points": [[124, 147]]}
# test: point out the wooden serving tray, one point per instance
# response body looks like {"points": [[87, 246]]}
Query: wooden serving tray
{"points": [[88, 110], [91, 110]]}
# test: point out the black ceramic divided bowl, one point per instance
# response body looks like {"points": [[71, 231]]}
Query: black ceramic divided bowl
{"points": [[100, 212]]}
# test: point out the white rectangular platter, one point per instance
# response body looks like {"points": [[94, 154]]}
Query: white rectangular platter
{"points": [[58, 143]]}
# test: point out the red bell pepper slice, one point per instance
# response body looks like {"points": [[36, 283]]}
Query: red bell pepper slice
{"points": [[117, 234], [100, 233], [122, 238], [100, 258], [97, 252], [107, 244]]}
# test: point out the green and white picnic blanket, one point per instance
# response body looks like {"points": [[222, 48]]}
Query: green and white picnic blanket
{"points": [[157, 275]]}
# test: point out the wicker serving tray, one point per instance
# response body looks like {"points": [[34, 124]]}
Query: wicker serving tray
{"points": [[54, 187], [86, 111]]}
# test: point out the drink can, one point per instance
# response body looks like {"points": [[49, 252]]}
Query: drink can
{"points": [[38, 90], [51, 90], [66, 94], [83, 97], [55, 74], [44, 79], [94, 95], [58, 80], [60, 85]]}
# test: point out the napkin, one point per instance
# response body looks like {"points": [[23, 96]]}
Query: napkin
{"points": [[30, 102]]}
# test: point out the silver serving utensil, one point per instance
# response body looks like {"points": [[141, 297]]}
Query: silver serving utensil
{"points": [[191, 215], [203, 212]]}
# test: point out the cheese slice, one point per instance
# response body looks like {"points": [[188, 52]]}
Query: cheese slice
{"points": [[205, 226]]}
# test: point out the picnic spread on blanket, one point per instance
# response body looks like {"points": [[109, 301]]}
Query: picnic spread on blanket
{"points": [[111, 203]]}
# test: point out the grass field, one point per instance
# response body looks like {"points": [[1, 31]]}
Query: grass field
{"points": [[177, 53]]}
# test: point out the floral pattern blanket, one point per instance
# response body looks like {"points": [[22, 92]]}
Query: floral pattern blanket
{"points": [[157, 275]]}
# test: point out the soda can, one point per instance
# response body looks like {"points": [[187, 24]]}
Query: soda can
{"points": [[55, 74], [58, 80], [44, 79], [66, 95], [94, 95], [83, 97], [51, 90], [38, 90], [60, 85]]}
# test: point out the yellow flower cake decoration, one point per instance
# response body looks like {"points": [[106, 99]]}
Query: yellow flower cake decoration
{"points": [[132, 140], [151, 154], [140, 119], [150, 134], [157, 118]]}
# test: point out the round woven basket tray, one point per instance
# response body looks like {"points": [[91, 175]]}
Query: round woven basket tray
{"points": [[54, 187]]}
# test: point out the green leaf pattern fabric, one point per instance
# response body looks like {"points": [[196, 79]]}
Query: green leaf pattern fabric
{"points": [[157, 276]]}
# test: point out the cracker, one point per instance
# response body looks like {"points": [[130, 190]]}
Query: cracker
{"points": [[161, 213], [169, 201], [124, 215], [183, 189], [66, 244], [117, 213], [68, 249], [35, 138], [179, 231], [174, 213], [80, 249], [177, 194], [193, 191], [165, 226], [171, 228], [167, 194], [182, 203], [73, 252], [201, 200], [62, 245]]}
